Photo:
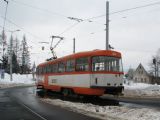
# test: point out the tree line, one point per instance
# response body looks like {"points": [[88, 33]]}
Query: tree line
{"points": [[20, 55]]}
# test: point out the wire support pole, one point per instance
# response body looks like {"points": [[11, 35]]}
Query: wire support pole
{"points": [[3, 32], [107, 25], [74, 45], [4, 23], [11, 54]]}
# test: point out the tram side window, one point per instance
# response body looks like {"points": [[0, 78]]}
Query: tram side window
{"points": [[48, 68], [44, 69], [37, 70], [54, 68], [82, 64], [70, 66], [61, 67], [40, 70]]}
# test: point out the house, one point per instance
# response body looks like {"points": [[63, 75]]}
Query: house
{"points": [[141, 76]]}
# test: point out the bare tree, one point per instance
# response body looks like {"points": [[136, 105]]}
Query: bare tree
{"points": [[155, 64]]}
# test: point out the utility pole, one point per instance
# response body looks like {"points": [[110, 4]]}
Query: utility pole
{"points": [[74, 45], [3, 32], [107, 25], [11, 52]]}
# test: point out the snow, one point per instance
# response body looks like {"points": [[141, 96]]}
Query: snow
{"points": [[141, 90], [121, 112], [107, 112], [18, 80]]}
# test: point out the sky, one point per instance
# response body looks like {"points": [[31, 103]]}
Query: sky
{"points": [[134, 33]]}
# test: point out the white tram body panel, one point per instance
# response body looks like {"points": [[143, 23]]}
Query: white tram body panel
{"points": [[106, 80], [86, 80], [80, 80]]}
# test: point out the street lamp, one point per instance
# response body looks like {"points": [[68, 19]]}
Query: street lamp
{"points": [[11, 47]]}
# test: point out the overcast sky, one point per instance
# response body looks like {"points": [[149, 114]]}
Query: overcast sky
{"points": [[134, 33]]}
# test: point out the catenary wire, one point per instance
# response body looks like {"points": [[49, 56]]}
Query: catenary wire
{"points": [[38, 8], [125, 10]]}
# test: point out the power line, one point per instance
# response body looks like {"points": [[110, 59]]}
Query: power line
{"points": [[54, 13], [125, 10], [69, 28], [23, 29], [66, 30], [38, 8]]}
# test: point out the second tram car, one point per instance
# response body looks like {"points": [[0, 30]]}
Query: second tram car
{"points": [[93, 73]]}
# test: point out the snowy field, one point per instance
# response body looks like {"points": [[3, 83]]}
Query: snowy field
{"points": [[141, 90], [18, 80]]}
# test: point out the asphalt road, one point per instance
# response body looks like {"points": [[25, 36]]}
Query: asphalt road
{"points": [[21, 103]]}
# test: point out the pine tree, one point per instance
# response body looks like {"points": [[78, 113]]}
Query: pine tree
{"points": [[15, 65], [3, 46], [25, 61]]}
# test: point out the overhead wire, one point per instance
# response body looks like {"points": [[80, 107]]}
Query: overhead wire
{"points": [[50, 12], [54, 13], [66, 30], [21, 28], [70, 27], [38, 8], [125, 10]]}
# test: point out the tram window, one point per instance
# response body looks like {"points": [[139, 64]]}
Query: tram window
{"points": [[70, 65], [49, 68], [54, 68], [61, 67], [82, 64], [37, 70], [44, 69], [104, 63]]}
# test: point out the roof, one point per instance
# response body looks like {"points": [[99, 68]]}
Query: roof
{"points": [[86, 54], [140, 66]]}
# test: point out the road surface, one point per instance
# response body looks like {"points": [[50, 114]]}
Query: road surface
{"points": [[21, 103]]}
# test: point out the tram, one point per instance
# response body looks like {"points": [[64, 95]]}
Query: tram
{"points": [[91, 73]]}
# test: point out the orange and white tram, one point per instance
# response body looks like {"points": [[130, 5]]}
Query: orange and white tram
{"points": [[93, 73]]}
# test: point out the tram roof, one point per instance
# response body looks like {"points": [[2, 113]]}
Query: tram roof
{"points": [[110, 53]]}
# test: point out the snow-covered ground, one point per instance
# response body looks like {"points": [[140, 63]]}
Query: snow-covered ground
{"points": [[122, 112], [108, 112], [18, 80], [141, 90]]}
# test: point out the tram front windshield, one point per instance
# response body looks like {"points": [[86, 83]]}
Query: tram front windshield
{"points": [[105, 63]]}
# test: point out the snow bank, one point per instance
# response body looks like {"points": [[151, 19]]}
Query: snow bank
{"points": [[142, 90], [108, 112], [18, 80]]}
